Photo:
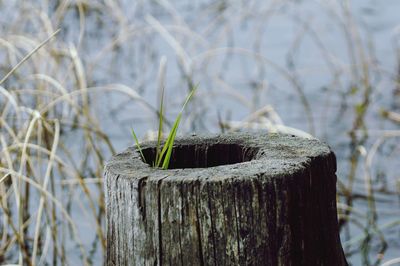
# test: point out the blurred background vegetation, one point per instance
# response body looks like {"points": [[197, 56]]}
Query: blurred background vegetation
{"points": [[76, 75]]}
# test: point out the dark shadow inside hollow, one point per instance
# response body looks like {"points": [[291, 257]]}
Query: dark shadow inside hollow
{"points": [[207, 155]]}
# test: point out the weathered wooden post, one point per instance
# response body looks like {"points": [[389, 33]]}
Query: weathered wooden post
{"points": [[235, 199]]}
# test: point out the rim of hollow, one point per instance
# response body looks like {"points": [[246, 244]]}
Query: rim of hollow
{"points": [[264, 154]]}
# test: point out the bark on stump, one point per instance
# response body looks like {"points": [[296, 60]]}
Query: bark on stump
{"points": [[235, 199]]}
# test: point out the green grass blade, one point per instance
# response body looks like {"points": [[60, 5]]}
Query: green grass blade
{"points": [[160, 126], [138, 144], [164, 149], [171, 136], [189, 97]]}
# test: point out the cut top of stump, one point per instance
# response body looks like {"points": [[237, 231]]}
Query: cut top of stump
{"points": [[225, 156]]}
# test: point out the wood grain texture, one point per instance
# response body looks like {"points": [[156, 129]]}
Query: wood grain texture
{"points": [[275, 205]]}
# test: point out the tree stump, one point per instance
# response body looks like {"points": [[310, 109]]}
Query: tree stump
{"points": [[234, 199]]}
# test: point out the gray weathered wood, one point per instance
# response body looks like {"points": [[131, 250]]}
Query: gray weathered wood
{"points": [[275, 205]]}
